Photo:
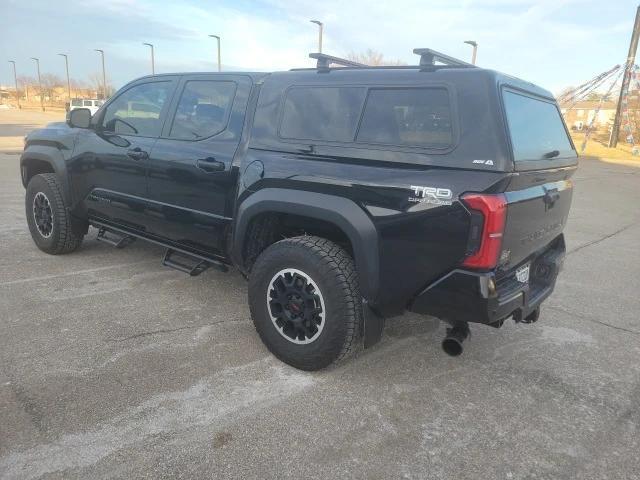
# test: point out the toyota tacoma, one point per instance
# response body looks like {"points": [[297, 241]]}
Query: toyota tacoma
{"points": [[345, 194]]}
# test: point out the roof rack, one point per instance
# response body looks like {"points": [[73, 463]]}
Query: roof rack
{"points": [[428, 58], [325, 61]]}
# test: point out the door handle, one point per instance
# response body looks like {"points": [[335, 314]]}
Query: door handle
{"points": [[137, 154], [210, 164]]}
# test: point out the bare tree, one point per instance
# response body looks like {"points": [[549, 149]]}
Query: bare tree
{"points": [[50, 80], [597, 96], [49, 83], [78, 84], [373, 58], [27, 84], [95, 83], [26, 80], [565, 95]]}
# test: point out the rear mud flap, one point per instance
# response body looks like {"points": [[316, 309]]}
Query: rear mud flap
{"points": [[373, 325]]}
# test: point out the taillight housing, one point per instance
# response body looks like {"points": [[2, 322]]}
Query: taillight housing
{"points": [[489, 213]]}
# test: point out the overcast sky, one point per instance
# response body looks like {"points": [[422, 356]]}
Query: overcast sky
{"points": [[553, 43]]}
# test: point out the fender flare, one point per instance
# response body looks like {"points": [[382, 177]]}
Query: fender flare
{"points": [[53, 157], [342, 212]]}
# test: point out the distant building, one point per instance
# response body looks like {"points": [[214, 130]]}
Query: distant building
{"points": [[579, 116], [6, 96]]}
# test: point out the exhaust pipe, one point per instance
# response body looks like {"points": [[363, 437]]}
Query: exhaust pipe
{"points": [[452, 343]]}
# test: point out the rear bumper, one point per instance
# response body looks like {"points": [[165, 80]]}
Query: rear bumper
{"points": [[490, 298]]}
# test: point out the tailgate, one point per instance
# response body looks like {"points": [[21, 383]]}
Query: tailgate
{"points": [[535, 215], [539, 194]]}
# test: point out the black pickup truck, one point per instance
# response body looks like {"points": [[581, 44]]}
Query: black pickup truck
{"points": [[346, 194]]}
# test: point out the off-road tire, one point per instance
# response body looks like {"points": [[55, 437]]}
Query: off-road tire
{"points": [[61, 239], [333, 271]]}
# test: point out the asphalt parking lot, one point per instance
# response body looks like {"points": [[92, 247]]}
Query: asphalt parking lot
{"points": [[112, 366]]}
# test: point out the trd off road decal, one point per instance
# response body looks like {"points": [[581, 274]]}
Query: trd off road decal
{"points": [[432, 195]]}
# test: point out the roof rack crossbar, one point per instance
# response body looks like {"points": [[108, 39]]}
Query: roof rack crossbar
{"points": [[325, 61], [429, 58]]}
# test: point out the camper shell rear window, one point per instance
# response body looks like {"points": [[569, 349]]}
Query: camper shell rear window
{"points": [[536, 129]]}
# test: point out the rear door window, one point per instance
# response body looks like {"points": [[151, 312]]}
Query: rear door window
{"points": [[407, 116], [203, 109], [536, 128], [322, 113]]}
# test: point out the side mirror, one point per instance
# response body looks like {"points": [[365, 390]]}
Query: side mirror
{"points": [[79, 118]]}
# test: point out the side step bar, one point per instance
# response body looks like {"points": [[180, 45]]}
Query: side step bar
{"points": [[115, 239], [186, 263], [178, 259]]}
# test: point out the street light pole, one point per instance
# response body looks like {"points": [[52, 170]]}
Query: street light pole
{"points": [[320, 27], [218, 39], [15, 80], [39, 83], [66, 65], [104, 75], [474, 44], [153, 61]]}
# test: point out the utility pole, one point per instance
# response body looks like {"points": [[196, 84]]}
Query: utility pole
{"points": [[39, 83], [218, 39], [474, 44], [153, 61], [15, 80], [320, 28], [626, 79], [66, 65], [104, 74]]}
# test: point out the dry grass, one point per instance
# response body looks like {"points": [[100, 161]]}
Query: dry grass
{"points": [[597, 147]]}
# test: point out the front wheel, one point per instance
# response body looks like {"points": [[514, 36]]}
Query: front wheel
{"points": [[47, 216], [305, 301]]}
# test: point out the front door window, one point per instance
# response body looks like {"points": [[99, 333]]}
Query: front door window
{"points": [[137, 111]]}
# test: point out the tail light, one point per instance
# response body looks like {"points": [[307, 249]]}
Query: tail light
{"points": [[488, 215]]}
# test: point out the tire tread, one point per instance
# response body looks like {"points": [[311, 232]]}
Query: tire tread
{"points": [[66, 241], [339, 264]]}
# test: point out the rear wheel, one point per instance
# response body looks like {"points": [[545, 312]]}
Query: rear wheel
{"points": [[305, 301], [47, 216]]}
